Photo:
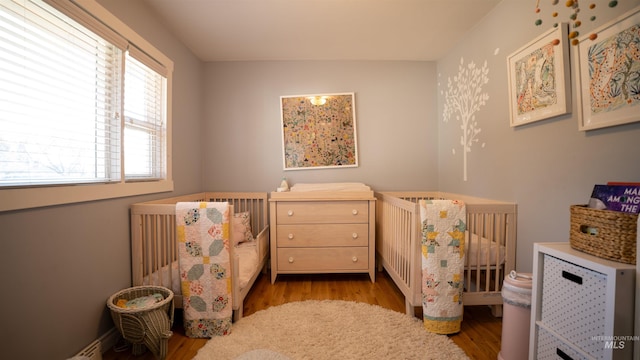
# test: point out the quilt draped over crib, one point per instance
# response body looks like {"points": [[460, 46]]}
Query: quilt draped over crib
{"points": [[205, 267], [443, 230]]}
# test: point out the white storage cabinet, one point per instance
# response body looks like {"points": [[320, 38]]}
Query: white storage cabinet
{"points": [[582, 306]]}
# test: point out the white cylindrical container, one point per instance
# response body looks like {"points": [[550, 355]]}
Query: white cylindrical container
{"points": [[516, 316]]}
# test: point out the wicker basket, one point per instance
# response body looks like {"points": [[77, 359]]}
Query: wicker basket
{"points": [[148, 327], [606, 234]]}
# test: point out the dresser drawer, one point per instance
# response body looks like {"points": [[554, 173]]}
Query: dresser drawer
{"points": [[552, 348], [323, 259], [574, 303], [322, 212], [322, 235]]}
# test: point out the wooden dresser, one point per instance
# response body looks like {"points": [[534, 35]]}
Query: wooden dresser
{"points": [[322, 232]]}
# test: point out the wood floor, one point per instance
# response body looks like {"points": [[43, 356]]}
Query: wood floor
{"points": [[479, 337]]}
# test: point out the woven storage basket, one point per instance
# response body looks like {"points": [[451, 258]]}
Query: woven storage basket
{"points": [[606, 234], [148, 327]]}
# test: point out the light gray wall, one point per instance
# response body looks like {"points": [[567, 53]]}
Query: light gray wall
{"points": [[58, 265], [395, 119], [544, 166]]}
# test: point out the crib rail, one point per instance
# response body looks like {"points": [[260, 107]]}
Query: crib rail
{"points": [[498, 224], [254, 203], [398, 244], [397, 235]]}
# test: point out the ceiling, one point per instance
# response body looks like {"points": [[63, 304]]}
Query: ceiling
{"points": [[246, 30]]}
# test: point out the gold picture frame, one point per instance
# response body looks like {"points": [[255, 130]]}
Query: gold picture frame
{"points": [[319, 131]]}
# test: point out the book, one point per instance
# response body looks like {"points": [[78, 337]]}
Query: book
{"points": [[623, 198]]}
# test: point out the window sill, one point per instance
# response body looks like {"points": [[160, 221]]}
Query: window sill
{"points": [[17, 199]]}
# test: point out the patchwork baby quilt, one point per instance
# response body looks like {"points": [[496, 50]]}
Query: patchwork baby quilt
{"points": [[205, 267], [443, 229]]}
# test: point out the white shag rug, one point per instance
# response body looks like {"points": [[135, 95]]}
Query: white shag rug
{"points": [[329, 329]]}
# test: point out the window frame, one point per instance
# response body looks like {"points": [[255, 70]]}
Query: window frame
{"points": [[17, 198]]}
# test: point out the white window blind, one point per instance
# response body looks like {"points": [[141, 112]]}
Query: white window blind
{"points": [[63, 87], [144, 132], [60, 89]]}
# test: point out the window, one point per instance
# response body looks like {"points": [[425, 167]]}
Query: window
{"points": [[83, 101], [144, 127]]}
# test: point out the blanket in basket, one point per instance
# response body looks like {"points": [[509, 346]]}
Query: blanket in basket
{"points": [[205, 267], [443, 229]]}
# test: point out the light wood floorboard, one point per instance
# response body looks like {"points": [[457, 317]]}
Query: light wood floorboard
{"points": [[479, 337]]}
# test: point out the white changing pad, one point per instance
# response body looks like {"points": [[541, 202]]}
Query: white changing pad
{"points": [[347, 186]]}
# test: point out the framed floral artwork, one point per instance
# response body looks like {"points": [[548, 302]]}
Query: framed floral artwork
{"points": [[319, 131], [608, 73], [539, 78]]}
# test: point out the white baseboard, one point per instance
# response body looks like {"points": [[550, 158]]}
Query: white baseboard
{"points": [[99, 346], [109, 339]]}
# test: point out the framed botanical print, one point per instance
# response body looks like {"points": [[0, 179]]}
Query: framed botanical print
{"points": [[319, 131], [608, 70], [539, 78]]}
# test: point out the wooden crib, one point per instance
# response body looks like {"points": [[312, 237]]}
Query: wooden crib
{"points": [[154, 253], [490, 249]]}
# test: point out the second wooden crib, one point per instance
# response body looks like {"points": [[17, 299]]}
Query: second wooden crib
{"points": [[490, 247]]}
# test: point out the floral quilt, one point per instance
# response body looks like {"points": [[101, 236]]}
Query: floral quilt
{"points": [[205, 269], [443, 231]]}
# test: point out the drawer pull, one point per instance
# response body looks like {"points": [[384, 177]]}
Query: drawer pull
{"points": [[572, 277], [291, 260], [290, 236], [355, 259], [354, 235], [563, 355], [354, 212], [290, 213]]}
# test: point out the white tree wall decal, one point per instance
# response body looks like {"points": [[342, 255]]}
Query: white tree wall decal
{"points": [[463, 99]]}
